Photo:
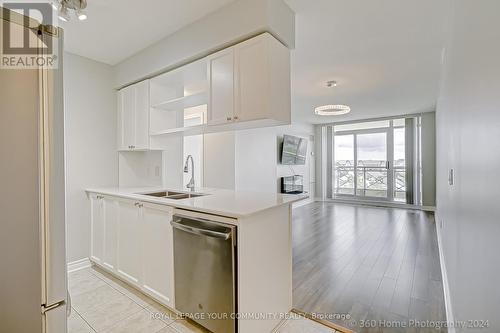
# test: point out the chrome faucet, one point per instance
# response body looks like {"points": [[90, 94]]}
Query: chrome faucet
{"points": [[190, 185]]}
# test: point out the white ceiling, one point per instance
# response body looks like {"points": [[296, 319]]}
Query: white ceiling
{"points": [[117, 29], [385, 55]]}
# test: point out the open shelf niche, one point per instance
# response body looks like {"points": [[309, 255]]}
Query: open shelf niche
{"points": [[179, 100]]}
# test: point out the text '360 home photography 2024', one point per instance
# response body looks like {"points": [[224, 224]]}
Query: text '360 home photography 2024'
{"points": [[249, 166]]}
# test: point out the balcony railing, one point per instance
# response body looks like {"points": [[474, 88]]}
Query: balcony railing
{"points": [[371, 181]]}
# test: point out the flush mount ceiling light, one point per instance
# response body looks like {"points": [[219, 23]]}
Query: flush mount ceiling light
{"points": [[332, 110], [331, 84], [65, 6]]}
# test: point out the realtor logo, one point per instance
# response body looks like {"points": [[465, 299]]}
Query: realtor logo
{"points": [[26, 45]]}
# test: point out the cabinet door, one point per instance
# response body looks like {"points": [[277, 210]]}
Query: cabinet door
{"points": [[129, 241], [141, 115], [110, 232], [252, 82], [126, 118], [120, 138], [96, 228], [158, 253], [221, 87]]}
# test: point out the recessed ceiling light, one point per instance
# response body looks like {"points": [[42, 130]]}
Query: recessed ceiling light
{"points": [[81, 14], [332, 110]]}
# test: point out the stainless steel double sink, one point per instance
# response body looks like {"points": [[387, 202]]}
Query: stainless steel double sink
{"points": [[173, 195]]}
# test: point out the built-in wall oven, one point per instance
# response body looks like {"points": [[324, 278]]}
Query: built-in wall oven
{"points": [[205, 270]]}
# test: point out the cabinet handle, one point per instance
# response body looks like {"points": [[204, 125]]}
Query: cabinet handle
{"points": [[138, 204], [99, 197], [228, 118]]}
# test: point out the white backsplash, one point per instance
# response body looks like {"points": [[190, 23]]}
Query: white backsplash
{"points": [[140, 168]]}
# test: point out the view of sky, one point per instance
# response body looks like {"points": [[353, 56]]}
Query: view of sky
{"points": [[371, 146]]}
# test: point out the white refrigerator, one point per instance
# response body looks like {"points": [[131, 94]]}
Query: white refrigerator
{"points": [[33, 278]]}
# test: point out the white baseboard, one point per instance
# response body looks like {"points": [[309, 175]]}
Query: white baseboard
{"points": [[79, 264], [444, 276], [380, 204]]}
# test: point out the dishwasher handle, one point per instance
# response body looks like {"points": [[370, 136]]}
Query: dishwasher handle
{"points": [[201, 232]]}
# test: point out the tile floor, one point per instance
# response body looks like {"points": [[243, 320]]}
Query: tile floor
{"points": [[102, 303]]}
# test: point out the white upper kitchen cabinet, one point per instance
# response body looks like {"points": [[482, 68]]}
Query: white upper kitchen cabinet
{"points": [[158, 260], [262, 80], [221, 87], [250, 82], [133, 117], [243, 86]]}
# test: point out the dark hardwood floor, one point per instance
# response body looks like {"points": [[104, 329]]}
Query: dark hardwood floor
{"points": [[373, 263]]}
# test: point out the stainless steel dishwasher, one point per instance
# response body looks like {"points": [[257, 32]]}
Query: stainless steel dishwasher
{"points": [[205, 271]]}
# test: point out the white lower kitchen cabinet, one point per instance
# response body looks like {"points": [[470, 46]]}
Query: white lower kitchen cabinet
{"points": [[157, 255], [110, 237], [97, 228], [129, 264], [133, 240], [104, 216]]}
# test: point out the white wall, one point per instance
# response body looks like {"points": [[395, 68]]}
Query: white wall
{"points": [[248, 160], [255, 160], [193, 145], [468, 141], [140, 168], [91, 157], [219, 160], [231, 24]]}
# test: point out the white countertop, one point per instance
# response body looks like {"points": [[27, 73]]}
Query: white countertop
{"points": [[228, 203]]}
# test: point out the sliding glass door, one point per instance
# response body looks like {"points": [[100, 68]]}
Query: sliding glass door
{"points": [[372, 166], [369, 161]]}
